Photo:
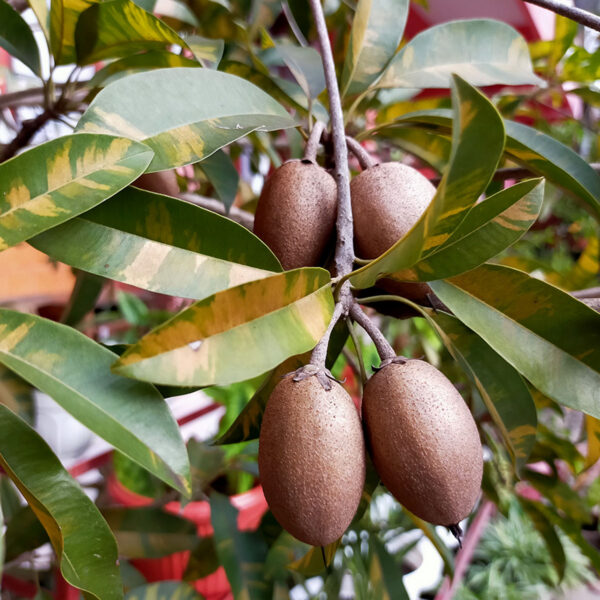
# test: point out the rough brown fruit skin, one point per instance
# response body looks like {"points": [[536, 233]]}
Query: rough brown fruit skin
{"points": [[296, 213], [161, 182], [311, 459], [423, 441], [387, 200]]}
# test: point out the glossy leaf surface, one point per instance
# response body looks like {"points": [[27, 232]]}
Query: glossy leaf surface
{"points": [[223, 176], [525, 321], [63, 19], [502, 389], [376, 32], [162, 244], [201, 110], [81, 538], [118, 28], [17, 38], [489, 228], [236, 334], [75, 371], [469, 171], [60, 179], [306, 67], [481, 51]]}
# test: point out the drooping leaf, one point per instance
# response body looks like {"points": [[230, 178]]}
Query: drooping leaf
{"points": [[241, 553], [524, 320], [469, 171], [153, 59], [62, 178], [384, 570], [24, 533], [206, 50], [481, 51], [201, 110], [161, 244], [502, 389], [16, 394], [236, 334], [170, 8], [83, 298], [489, 228], [164, 590], [64, 15], [81, 539], [377, 29], [592, 428], [223, 175], [75, 372], [117, 28], [149, 532], [41, 10], [306, 67], [17, 38]]}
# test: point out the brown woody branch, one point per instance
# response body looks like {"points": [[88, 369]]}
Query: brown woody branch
{"points": [[583, 17]]}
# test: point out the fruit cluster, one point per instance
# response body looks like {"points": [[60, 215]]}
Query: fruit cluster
{"points": [[416, 427]]}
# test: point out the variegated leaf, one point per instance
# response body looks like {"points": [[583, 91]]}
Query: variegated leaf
{"points": [[377, 29], [201, 110], [118, 28], [170, 8], [489, 228], [42, 14], [64, 15], [75, 371], [62, 178], [236, 334], [466, 178], [160, 243], [206, 50], [83, 543], [481, 51], [544, 333], [592, 428]]}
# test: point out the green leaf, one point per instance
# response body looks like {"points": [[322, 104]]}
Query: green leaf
{"points": [[482, 51], [203, 560], [160, 244], [81, 539], [24, 533], [376, 32], [525, 320], [466, 178], [201, 110], [153, 59], [42, 13], [547, 531], [223, 175], [316, 560], [592, 428], [170, 8], [164, 590], [62, 178], [206, 50], [489, 228], [16, 394], [534, 150], [75, 372], [236, 334], [503, 391], [149, 532], [17, 38], [83, 298], [64, 15], [385, 570], [117, 28], [242, 554], [306, 67]]}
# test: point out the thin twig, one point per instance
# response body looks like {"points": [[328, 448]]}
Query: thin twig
{"points": [[319, 354], [583, 17], [589, 293], [27, 131], [384, 348], [312, 145], [289, 15], [361, 154]]}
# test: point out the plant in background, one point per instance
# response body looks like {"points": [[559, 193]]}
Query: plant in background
{"points": [[212, 89]]}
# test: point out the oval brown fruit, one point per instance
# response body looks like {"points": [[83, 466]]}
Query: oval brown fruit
{"points": [[423, 441], [296, 213], [311, 459], [387, 200]]}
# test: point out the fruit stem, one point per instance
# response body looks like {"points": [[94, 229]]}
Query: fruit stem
{"points": [[344, 251], [319, 353], [361, 154], [384, 348], [312, 145]]}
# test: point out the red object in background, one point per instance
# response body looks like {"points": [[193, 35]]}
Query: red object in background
{"points": [[251, 506]]}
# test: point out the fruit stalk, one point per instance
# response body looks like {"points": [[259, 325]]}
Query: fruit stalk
{"points": [[384, 348], [312, 145], [361, 154]]}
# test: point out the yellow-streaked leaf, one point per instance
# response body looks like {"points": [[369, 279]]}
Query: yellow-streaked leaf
{"points": [[64, 15], [592, 427]]}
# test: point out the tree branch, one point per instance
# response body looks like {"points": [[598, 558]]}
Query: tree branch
{"points": [[361, 154], [27, 131], [384, 348], [236, 214], [312, 145], [583, 17]]}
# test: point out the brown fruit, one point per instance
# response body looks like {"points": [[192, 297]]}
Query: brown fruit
{"points": [[311, 459], [161, 182], [423, 441], [296, 213], [387, 200]]}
